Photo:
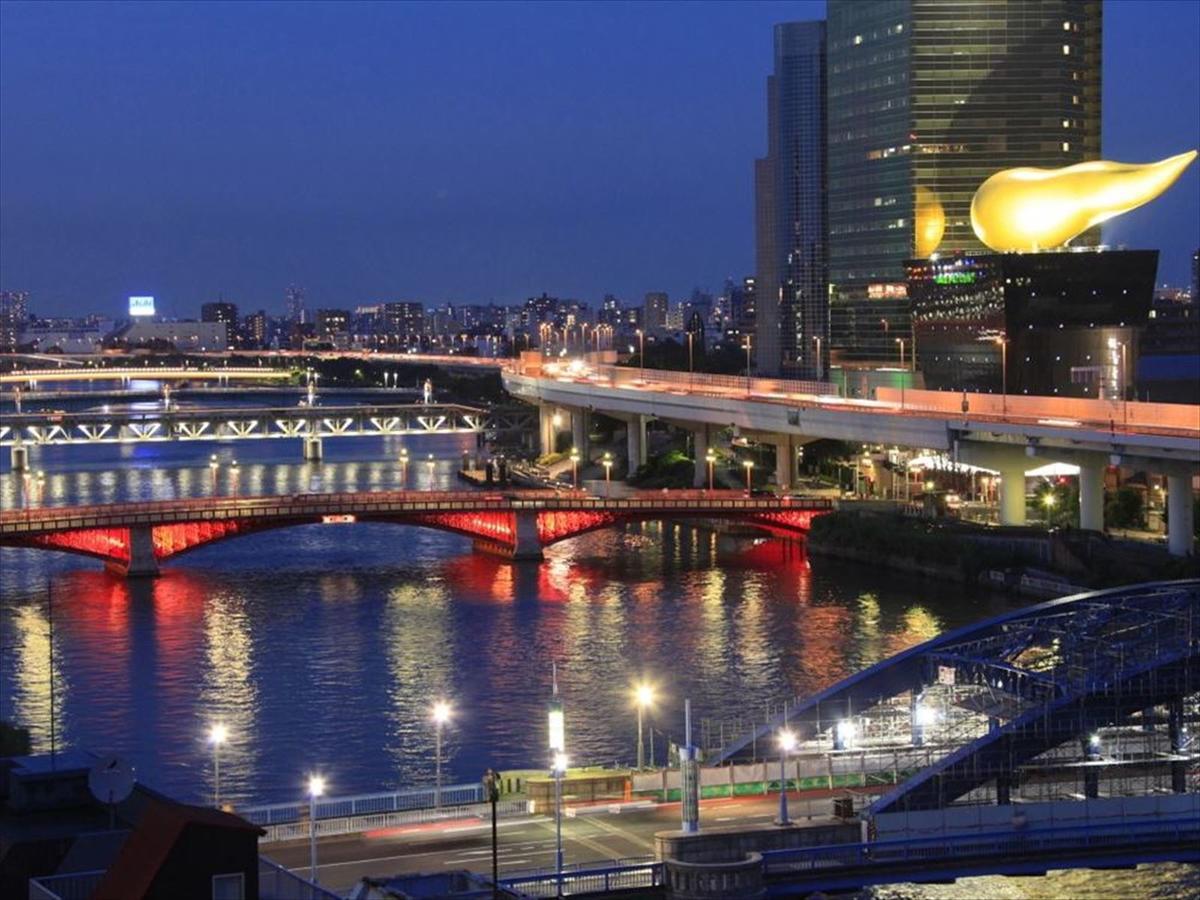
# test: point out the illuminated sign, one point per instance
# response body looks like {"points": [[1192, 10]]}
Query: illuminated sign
{"points": [[337, 520], [887, 291], [954, 278], [141, 306]]}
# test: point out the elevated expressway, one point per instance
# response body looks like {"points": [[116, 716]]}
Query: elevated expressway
{"points": [[134, 538], [999, 433]]}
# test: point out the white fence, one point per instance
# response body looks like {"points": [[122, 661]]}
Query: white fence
{"points": [[294, 831], [364, 804]]}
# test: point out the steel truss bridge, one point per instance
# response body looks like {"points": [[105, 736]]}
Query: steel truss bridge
{"points": [[133, 538], [1029, 688], [233, 423]]}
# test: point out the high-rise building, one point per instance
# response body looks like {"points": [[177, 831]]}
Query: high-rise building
{"points": [[294, 310], [655, 310], [254, 330], [404, 323], [331, 322], [790, 209], [14, 310], [926, 99], [220, 312]]}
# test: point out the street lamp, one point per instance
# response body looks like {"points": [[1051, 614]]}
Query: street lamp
{"points": [[900, 341], [747, 347], [233, 476], [787, 743], [213, 465], [558, 761], [404, 467], [820, 361], [607, 462], [748, 464], [711, 459], [40, 482], [316, 787], [690, 336], [575, 469], [643, 696], [641, 354], [429, 462], [217, 735], [441, 715]]}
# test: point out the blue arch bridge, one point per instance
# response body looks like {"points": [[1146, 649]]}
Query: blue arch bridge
{"points": [[1056, 736]]}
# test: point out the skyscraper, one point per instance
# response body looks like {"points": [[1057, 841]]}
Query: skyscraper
{"points": [[294, 306], [791, 209], [926, 99], [14, 311], [654, 317]]}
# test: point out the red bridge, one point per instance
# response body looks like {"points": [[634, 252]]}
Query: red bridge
{"points": [[133, 538]]}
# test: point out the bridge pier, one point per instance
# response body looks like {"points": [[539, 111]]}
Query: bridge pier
{"points": [[1010, 462], [313, 449], [19, 457], [1180, 515], [699, 452], [785, 462], [635, 439], [546, 429], [579, 433], [1091, 492], [142, 561]]}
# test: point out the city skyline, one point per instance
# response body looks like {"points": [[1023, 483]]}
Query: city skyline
{"points": [[542, 204]]}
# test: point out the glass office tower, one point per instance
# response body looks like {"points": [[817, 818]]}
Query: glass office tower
{"points": [[925, 100], [792, 324]]}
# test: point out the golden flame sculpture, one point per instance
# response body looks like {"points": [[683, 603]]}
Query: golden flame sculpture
{"points": [[931, 222], [1027, 209]]}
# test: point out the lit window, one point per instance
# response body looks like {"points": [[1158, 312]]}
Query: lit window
{"points": [[1066, 49], [1066, 123], [1066, 26], [1066, 146], [857, 39]]}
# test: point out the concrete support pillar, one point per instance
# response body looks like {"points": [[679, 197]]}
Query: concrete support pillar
{"points": [[636, 442], [1091, 493], [528, 545], [1004, 783], [579, 433], [313, 449], [700, 451], [1180, 516], [785, 463], [19, 457], [916, 721], [142, 561], [1012, 489], [546, 430]]}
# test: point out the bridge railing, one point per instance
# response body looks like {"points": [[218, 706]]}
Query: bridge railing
{"points": [[1013, 843], [620, 875], [363, 804]]}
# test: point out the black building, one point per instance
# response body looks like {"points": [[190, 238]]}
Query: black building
{"points": [[1066, 324]]}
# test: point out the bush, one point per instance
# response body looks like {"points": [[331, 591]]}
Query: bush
{"points": [[1125, 508]]}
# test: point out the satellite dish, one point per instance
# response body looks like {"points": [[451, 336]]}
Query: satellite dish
{"points": [[111, 780]]}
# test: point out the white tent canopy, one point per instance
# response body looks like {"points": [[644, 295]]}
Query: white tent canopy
{"points": [[942, 463]]}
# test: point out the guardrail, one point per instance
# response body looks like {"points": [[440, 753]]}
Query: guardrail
{"points": [[302, 830], [1014, 843], [585, 878], [364, 804], [72, 886]]}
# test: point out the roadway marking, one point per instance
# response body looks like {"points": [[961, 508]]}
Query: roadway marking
{"points": [[635, 839]]}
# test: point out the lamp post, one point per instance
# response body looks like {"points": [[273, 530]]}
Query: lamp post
{"points": [[643, 697], [233, 477], [820, 360], [787, 743], [40, 484], [690, 337], [900, 341], [217, 735], [607, 462], [747, 347], [711, 459], [641, 355], [558, 761], [213, 465], [429, 462], [748, 464], [316, 787], [575, 469], [441, 715]]}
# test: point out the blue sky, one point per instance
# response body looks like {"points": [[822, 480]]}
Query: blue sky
{"points": [[456, 151]]}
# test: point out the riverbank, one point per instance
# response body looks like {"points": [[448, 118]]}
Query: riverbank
{"points": [[1025, 560]]}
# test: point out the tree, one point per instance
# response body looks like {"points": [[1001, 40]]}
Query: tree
{"points": [[1125, 508]]}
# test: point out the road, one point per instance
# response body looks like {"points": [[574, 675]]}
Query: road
{"points": [[525, 844]]}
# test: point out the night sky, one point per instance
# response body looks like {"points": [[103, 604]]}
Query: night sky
{"points": [[441, 152]]}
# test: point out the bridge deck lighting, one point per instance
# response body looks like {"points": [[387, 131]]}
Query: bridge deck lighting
{"points": [[316, 786], [787, 741]]}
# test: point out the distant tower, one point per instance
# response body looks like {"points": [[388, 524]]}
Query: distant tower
{"points": [[294, 306]]}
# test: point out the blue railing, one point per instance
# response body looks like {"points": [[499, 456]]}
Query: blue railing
{"points": [[592, 877], [1010, 843]]}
